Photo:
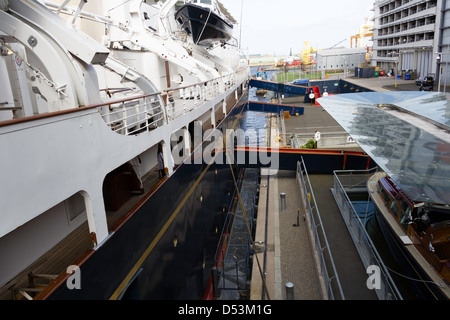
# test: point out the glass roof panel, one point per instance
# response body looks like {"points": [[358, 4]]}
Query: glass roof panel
{"points": [[417, 160]]}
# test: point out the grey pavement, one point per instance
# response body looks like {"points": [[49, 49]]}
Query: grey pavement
{"points": [[289, 256]]}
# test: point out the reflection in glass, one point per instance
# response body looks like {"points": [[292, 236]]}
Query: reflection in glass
{"points": [[417, 159]]}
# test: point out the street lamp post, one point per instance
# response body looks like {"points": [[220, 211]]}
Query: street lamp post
{"points": [[439, 60]]}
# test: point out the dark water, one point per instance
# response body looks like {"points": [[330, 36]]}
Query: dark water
{"points": [[365, 209]]}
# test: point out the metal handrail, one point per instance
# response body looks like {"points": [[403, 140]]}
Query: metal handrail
{"points": [[128, 118], [204, 82], [324, 247], [183, 104], [365, 247]]}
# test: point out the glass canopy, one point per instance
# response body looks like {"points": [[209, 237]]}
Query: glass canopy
{"points": [[405, 133]]}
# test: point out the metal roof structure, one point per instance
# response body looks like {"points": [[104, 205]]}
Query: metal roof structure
{"points": [[406, 133]]}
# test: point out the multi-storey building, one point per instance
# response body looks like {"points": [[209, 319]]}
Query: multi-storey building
{"points": [[412, 36]]}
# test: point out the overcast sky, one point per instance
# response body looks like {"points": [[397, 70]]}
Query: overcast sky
{"points": [[274, 27]]}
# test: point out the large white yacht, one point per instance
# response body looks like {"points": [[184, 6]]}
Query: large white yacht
{"points": [[91, 93]]}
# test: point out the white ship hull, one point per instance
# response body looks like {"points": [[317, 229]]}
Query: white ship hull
{"points": [[75, 111]]}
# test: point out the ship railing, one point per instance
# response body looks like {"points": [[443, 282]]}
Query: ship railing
{"points": [[326, 266], [184, 99], [327, 139], [356, 180], [295, 143], [132, 115]]}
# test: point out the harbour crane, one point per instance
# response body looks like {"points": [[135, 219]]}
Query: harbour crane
{"points": [[336, 44], [365, 30]]}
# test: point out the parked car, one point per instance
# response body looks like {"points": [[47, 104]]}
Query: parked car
{"points": [[427, 88], [300, 82], [425, 81]]}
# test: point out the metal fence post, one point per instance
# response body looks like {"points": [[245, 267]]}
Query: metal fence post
{"points": [[283, 201]]}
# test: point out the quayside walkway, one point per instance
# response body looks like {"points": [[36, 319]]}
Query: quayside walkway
{"points": [[289, 263], [284, 236], [291, 256]]}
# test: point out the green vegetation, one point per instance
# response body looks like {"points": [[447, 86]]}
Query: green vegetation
{"points": [[293, 75], [309, 145]]}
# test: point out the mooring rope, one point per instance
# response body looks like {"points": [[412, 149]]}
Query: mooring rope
{"points": [[417, 280]]}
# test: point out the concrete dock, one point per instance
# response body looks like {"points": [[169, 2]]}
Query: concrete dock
{"points": [[284, 251]]}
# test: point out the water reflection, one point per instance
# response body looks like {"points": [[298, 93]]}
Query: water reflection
{"points": [[255, 122]]}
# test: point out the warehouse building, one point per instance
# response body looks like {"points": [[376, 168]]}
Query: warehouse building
{"points": [[340, 59]]}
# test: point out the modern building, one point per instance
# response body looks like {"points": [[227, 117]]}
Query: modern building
{"points": [[443, 63], [409, 36]]}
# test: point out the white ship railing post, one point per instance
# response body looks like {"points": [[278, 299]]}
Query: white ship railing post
{"points": [[187, 141], [124, 118], [213, 117]]}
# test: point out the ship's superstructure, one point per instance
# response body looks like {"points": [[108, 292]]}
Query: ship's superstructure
{"points": [[82, 121]]}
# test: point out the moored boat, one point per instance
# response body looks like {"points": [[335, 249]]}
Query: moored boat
{"points": [[418, 235]]}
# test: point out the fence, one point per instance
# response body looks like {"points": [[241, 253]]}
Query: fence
{"points": [[319, 239], [355, 180]]}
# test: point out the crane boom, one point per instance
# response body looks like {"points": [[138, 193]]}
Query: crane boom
{"points": [[337, 44]]}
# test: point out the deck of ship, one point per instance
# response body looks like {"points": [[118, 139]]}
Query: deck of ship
{"points": [[34, 279]]}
